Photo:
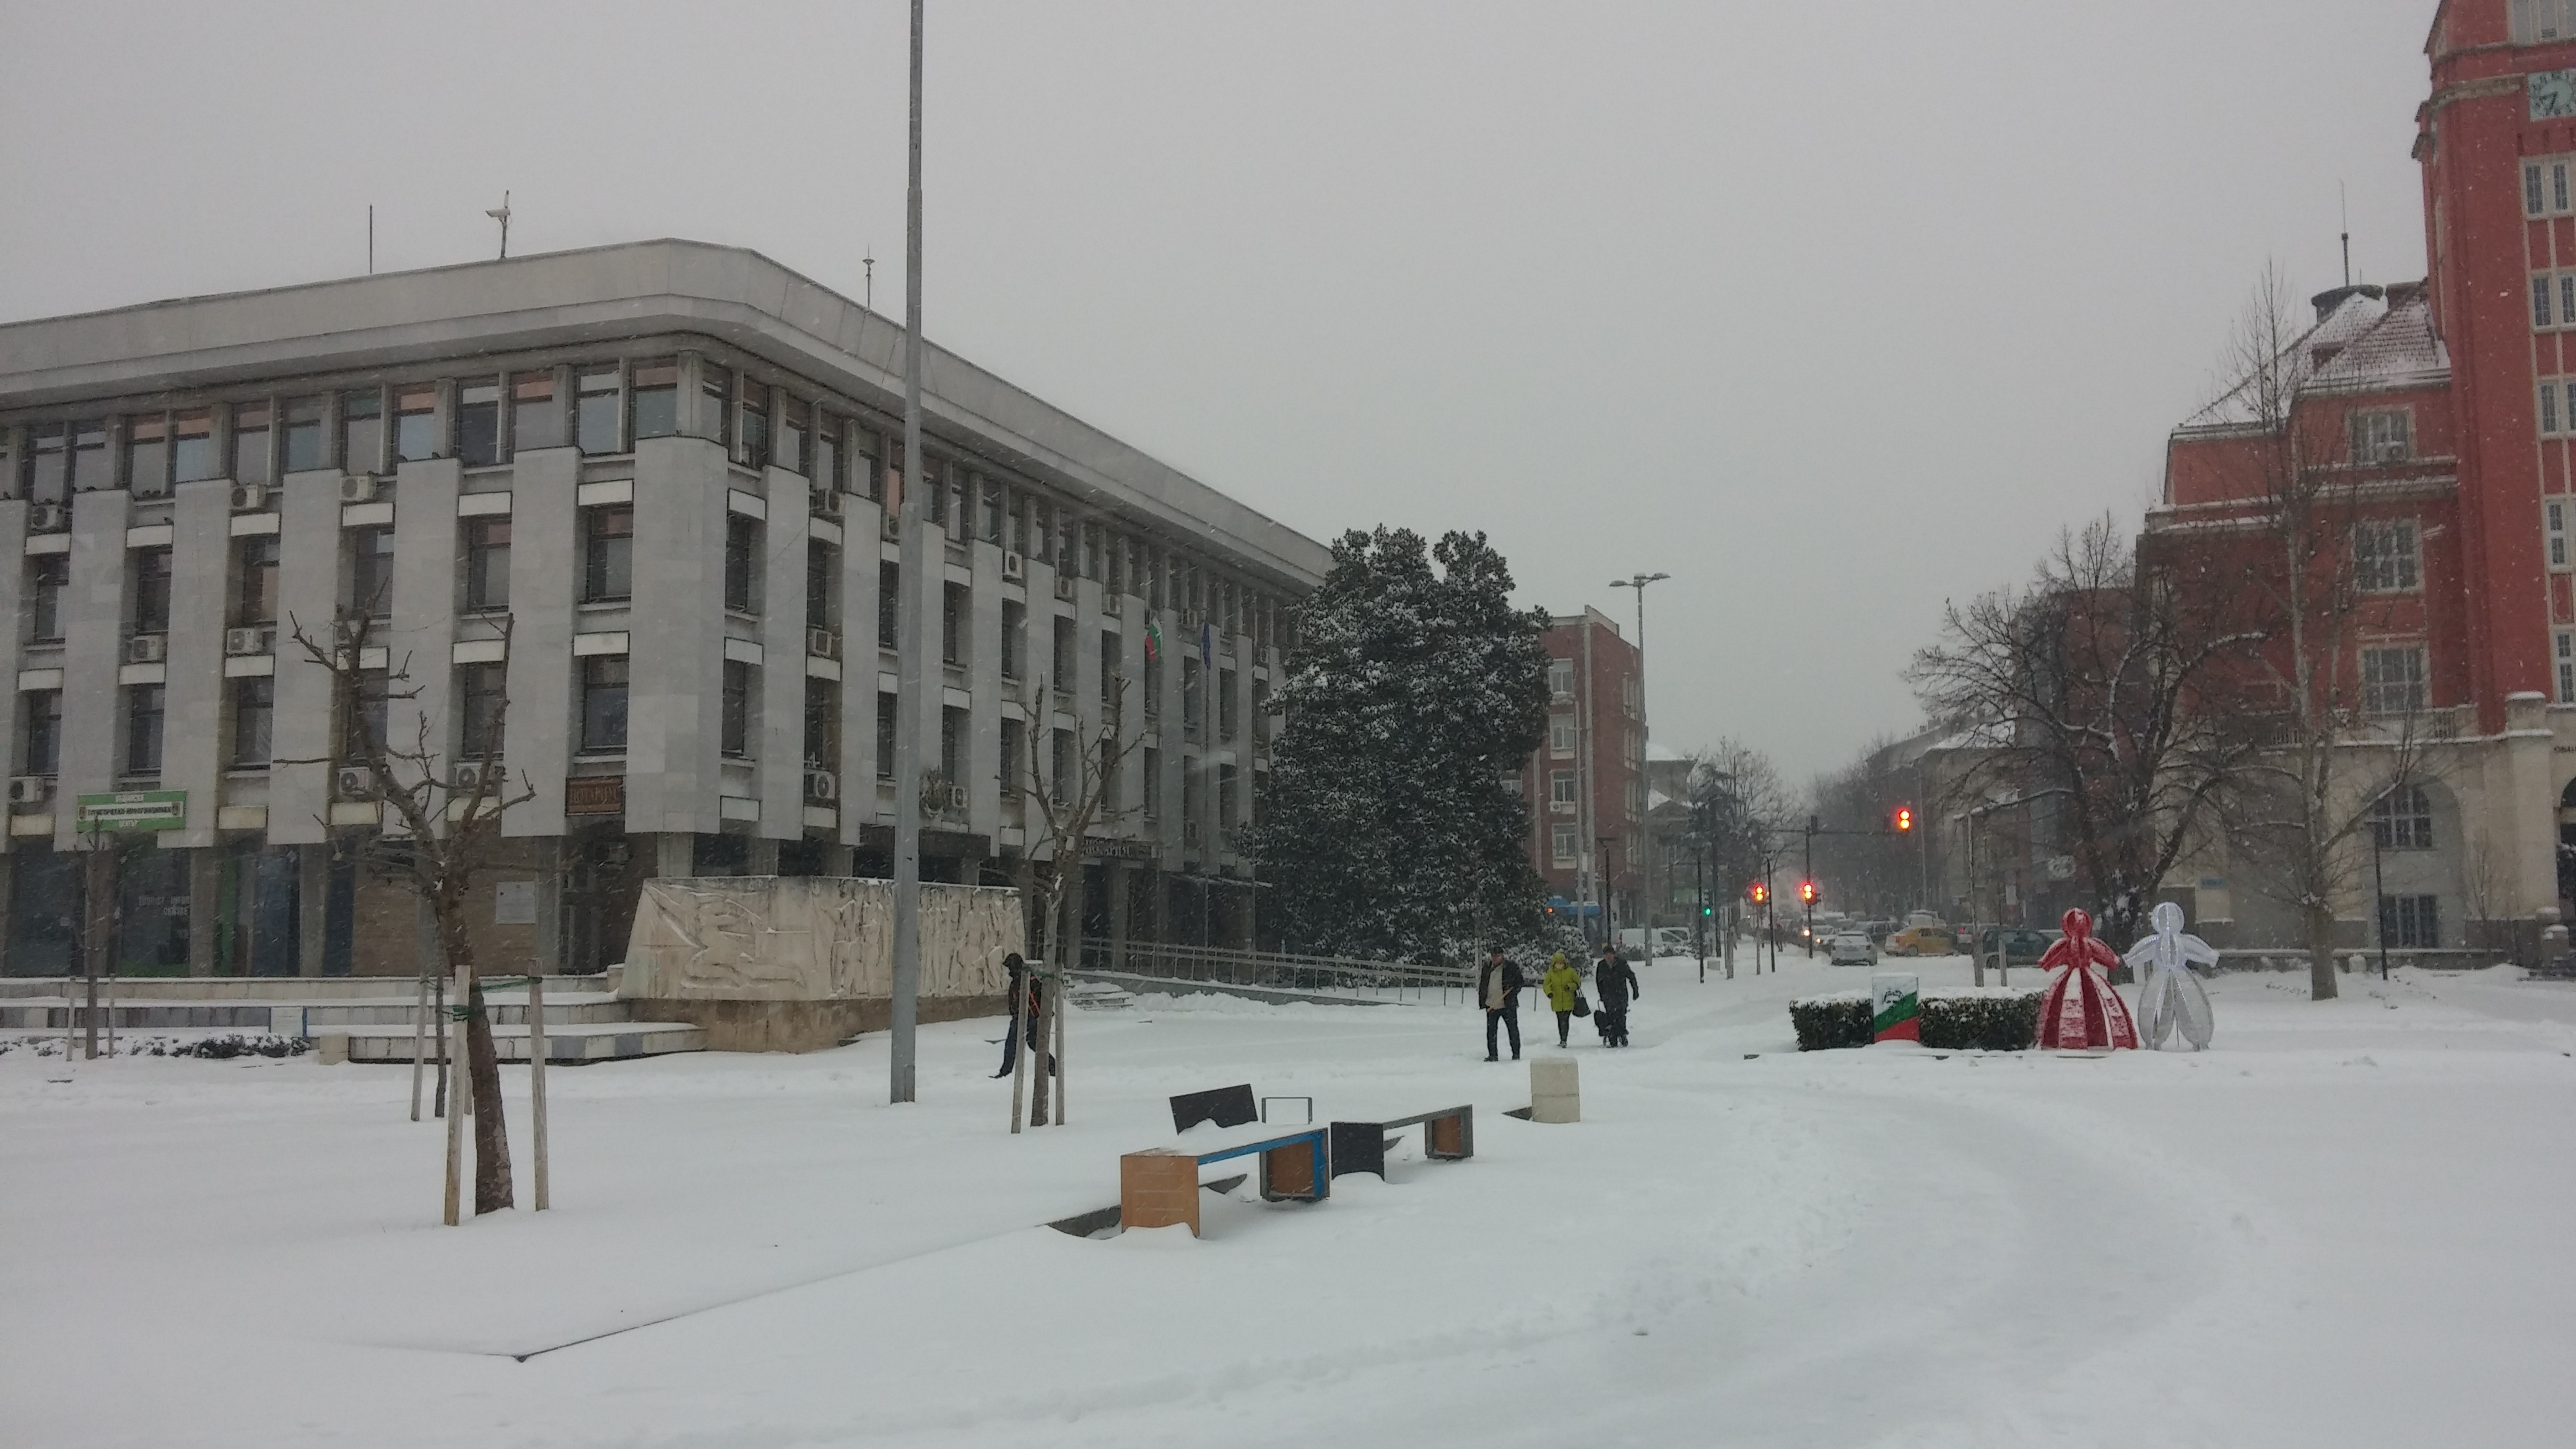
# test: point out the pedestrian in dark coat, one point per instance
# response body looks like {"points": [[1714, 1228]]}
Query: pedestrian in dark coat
{"points": [[1498, 990], [1021, 992], [1616, 980]]}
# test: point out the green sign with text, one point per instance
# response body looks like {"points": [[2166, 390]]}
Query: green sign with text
{"points": [[126, 810]]}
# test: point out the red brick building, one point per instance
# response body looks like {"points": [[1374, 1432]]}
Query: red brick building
{"points": [[1587, 784], [2440, 416]]}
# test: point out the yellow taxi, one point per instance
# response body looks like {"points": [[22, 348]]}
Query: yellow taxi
{"points": [[1922, 941]]}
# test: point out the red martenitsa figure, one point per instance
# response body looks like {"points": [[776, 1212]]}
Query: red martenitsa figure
{"points": [[2080, 1010]]}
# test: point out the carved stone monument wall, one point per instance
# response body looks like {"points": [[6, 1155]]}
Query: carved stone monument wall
{"points": [[799, 963]]}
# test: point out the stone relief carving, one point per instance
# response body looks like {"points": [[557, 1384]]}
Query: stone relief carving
{"points": [[812, 938]]}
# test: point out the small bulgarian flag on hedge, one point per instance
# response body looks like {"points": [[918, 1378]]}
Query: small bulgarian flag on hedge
{"points": [[1153, 639], [1896, 1008]]}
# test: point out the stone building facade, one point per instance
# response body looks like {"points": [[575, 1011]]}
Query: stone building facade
{"points": [[644, 494]]}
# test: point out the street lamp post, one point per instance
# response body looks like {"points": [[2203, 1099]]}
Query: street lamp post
{"points": [[1639, 582], [914, 564]]}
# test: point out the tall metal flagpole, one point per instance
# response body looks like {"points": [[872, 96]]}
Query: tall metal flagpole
{"points": [[908, 621]]}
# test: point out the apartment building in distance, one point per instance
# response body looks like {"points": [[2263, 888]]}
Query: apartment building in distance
{"points": [[646, 495], [1586, 785]]}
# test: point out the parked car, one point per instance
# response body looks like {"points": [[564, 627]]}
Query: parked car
{"points": [[2021, 945], [1922, 941], [1852, 949]]}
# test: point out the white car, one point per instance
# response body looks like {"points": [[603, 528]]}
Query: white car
{"points": [[1852, 949]]}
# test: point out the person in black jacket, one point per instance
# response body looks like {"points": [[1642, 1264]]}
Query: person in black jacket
{"points": [[1020, 992], [1616, 980], [1498, 990]]}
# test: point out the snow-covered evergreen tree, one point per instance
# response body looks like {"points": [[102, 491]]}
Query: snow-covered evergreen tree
{"points": [[1414, 697]]}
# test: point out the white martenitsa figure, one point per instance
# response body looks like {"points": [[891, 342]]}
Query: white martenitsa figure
{"points": [[2170, 998]]}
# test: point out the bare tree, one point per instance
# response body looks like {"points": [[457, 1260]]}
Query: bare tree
{"points": [[441, 827], [2101, 688], [1074, 794], [2338, 742]]}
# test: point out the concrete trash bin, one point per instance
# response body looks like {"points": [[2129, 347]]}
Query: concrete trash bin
{"points": [[1556, 1092]]}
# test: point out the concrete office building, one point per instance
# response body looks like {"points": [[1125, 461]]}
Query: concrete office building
{"points": [[644, 494]]}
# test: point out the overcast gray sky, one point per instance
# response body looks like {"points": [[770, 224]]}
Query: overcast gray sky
{"points": [[1830, 311]]}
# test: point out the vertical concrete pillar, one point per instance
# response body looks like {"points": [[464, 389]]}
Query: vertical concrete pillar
{"points": [[674, 854], [779, 768]]}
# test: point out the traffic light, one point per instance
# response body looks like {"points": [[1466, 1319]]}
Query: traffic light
{"points": [[1708, 910], [1807, 892], [1761, 894], [1904, 818]]}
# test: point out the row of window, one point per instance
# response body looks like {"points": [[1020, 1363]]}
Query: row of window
{"points": [[1565, 844], [2546, 187]]}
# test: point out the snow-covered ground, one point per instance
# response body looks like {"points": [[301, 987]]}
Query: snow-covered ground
{"points": [[2348, 1224]]}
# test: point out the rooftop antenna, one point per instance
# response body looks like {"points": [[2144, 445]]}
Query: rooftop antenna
{"points": [[868, 292], [2343, 201], [501, 214]]}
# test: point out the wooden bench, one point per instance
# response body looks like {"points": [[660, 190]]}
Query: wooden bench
{"points": [[1160, 1186], [1448, 1135]]}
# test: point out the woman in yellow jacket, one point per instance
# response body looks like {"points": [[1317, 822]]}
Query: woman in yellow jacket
{"points": [[1564, 986]]}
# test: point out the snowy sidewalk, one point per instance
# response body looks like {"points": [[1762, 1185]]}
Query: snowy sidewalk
{"points": [[2340, 1226]]}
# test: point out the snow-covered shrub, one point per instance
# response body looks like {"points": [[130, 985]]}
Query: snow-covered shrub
{"points": [[1992, 1020], [1827, 1022]]}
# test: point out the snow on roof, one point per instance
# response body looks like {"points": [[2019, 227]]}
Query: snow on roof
{"points": [[1662, 752], [2352, 318], [2398, 351]]}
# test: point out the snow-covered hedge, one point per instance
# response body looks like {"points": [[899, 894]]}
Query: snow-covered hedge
{"points": [[1994, 1019], [213, 1048]]}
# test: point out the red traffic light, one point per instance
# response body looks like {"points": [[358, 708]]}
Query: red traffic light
{"points": [[1761, 893], [1807, 891], [1904, 818]]}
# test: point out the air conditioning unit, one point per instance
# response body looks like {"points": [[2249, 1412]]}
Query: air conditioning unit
{"points": [[30, 789], [359, 488], [2392, 452], [822, 787], [252, 639], [147, 648], [823, 643], [48, 518], [353, 782], [1109, 604], [250, 497], [826, 502], [484, 775], [893, 526], [957, 799], [1064, 586], [1014, 568]]}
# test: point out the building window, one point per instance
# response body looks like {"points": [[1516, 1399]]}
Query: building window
{"points": [[536, 415], [1015, 627], [595, 411], [655, 388], [2385, 556], [1193, 706], [371, 572], [250, 443], [608, 554], [822, 724], [1062, 662], [1153, 767], [2552, 421], [482, 698], [145, 706], [254, 709], [2564, 647], [48, 577], [737, 709], [889, 599], [416, 423], [2539, 21], [305, 445], [827, 453], [2554, 520], [2392, 680], [362, 431], [1560, 679], [255, 602], [754, 450], [478, 422], [954, 607], [92, 468], [192, 446], [993, 512], [822, 574], [1112, 647], [152, 572], [147, 455], [1065, 775], [885, 736], [1560, 845], [1014, 740], [487, 563], [742, 563], [40, 749], [363, 732], [867, 464], [795, 424], [2402, 819], [1560, 734], [715, 402], [955, 729], [2386, 435], [603, 703], [2410, 921], [47, 475], [1560, 789]]}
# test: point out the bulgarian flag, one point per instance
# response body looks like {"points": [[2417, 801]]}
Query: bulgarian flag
{"points": [[1153, 639]]}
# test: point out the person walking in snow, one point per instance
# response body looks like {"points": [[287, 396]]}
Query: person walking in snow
{"points": [[1616, 980], [1498, 987], [1021, 992], [1564, 987]]}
